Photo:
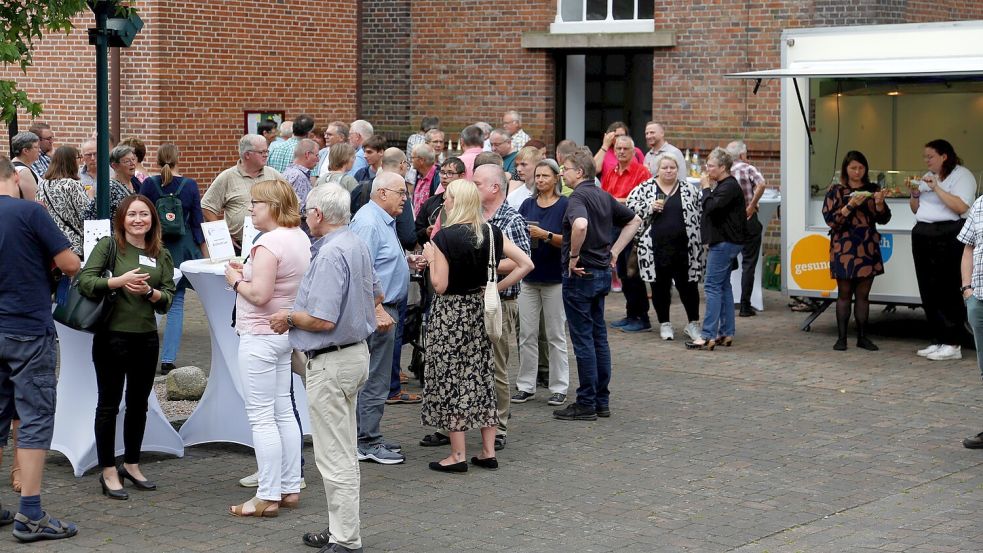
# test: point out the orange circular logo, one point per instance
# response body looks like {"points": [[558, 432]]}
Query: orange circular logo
{"points": [[809, 266], [170, 216]]}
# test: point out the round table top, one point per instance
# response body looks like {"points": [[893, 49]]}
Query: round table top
{"points": [[204, 266]]}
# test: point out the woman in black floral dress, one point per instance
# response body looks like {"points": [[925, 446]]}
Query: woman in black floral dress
{"points": [[459, 387], [852, 208]]}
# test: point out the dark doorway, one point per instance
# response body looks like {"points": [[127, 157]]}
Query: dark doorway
{"points": [[617, 87]]}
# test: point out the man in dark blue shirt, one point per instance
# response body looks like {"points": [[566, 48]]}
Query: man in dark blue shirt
{"points": [[587, 256], [29, 241]]}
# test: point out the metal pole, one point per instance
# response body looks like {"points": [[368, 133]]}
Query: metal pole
{"points": [[114, 93], [102, 110]]}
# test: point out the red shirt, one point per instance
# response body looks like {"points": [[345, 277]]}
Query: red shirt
{"points": [[620, 185]]}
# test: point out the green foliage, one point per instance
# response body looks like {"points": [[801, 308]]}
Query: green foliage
{"points": [[23, 23]]}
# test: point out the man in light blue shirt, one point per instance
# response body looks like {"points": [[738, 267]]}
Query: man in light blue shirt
{"points": [[359, 132], [336, 310], [376, 226]]}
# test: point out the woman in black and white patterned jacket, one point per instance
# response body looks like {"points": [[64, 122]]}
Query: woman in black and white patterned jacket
{"points": [[669, 247]]}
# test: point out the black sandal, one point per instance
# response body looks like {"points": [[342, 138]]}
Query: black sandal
{"points": [[707, 345], [434, 440], [317, 539]]}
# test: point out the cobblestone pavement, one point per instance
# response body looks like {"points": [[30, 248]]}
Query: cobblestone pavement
{"points": [[777, 444]]}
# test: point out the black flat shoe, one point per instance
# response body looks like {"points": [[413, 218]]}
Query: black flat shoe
{"points": [[111, 493], [434, 440], [840, 345], [145, 485], [974, 442], [865, 343], [490, 463], [456, 467]]}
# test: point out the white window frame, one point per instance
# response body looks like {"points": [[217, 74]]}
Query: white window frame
{"points": [[607, 25]]}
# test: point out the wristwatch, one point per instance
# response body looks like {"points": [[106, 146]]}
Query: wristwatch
{"points": [[290, 320], [549, 236], [149, 294], [964, 288]]}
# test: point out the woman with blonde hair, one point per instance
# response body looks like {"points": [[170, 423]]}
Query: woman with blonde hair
{"points": [[267, 283], [459, 387], [182, 237]]}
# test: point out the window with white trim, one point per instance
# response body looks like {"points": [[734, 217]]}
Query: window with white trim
{"points": [[604, 16]]}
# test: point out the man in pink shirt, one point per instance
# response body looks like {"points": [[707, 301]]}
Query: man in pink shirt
{"points": [[472, 143]]}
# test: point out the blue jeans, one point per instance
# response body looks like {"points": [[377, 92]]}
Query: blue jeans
{"points": [[974, 312], [583, 301], [174, 328], [395, 386], [718, 320]]}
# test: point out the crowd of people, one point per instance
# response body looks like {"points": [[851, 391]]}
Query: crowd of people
{"points": [[344, 222]]}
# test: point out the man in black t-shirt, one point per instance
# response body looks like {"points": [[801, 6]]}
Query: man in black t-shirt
{"points": [[589, 256]]}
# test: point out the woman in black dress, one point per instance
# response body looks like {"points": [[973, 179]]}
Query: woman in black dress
{"points": [[459, 375], [852, 208]]}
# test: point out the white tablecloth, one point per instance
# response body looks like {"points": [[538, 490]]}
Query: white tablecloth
{"points": [[766, 210], [75, 411], [221, 413]]}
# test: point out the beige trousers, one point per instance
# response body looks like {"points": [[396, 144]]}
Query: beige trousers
{"points": [[500, 350], [333, 382]]}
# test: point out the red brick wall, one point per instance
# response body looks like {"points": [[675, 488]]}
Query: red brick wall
{"points": [[195, 67], [468, 64]]}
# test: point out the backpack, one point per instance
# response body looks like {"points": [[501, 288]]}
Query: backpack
{"points": [[170, 212]]}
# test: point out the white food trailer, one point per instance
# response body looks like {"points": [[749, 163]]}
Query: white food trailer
{"points": [[884, 90]]}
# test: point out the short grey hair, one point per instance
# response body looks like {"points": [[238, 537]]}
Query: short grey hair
{"points": [[287, 129], [363, 128], [625, 138], [486, 128], [515, 115], [736, 149], [383, 177], [22, 141], [472, 136], [722, 158], [434, 132], [246, 144], [500, 174], [425, 152], [333, 201], [663, 157], [119, 152], [502, 133], [304, 146]]}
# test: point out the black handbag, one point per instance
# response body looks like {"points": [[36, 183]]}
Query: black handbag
{"points": [[80, 312]]}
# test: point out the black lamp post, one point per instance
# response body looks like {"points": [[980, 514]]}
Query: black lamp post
{"points": [[109, 31]]}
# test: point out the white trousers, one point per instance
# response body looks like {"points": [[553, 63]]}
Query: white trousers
{"points": [[264, 370], [333, 382], [545, 299]]}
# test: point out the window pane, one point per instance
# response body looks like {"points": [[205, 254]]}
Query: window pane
{"points": [[597, 10], [572, 10], [624, 9], [646, 9]]}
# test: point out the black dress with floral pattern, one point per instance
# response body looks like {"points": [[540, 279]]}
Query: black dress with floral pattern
{"points": [[854, 243]]}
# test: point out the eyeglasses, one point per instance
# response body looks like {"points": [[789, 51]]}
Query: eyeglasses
{"points": [[444, 174], [402, 193], [254, 202], [496, 144], [88, 154], [49, 139], [262, 153], [310, 210]]}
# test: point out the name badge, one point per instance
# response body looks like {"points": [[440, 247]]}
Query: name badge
{"points": [[148, 261]]}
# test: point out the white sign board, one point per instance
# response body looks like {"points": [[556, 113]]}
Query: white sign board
{"points": [[219, 240], [92, 232]]}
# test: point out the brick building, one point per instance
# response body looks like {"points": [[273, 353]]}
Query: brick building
{"points": [[565, 65]]}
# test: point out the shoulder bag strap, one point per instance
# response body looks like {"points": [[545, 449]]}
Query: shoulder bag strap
{"points": [[491, 254]]}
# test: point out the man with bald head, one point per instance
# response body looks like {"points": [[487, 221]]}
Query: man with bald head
{"points": [[375, 224], [228, 196], [492, 182], [655, 137]]}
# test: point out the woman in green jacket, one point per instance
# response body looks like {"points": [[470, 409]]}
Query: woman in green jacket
{"points": [[125, 347]]}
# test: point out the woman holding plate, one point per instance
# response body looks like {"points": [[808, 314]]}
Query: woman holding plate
{"points": [[852, 209]]}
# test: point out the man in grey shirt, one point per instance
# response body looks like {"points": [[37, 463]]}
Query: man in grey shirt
{"points": [[333, 315]]}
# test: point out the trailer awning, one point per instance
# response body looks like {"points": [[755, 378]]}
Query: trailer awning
{"points": [[899, 67]]}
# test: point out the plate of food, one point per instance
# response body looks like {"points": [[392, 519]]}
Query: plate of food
{"points": [[863, 193]]}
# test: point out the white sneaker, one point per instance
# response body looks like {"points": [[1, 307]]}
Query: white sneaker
{"points": [[925, 352], [693, 330], [946, 352], [251, 481], [665, 331]]}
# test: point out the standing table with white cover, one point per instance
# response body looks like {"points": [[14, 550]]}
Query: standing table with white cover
{"points": [[75, 411], [767, 206], [221, 413]]}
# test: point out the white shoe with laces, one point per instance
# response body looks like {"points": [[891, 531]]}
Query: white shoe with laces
{"points": [[665, 331], [946, 352], [925, 352], [693, 330]]}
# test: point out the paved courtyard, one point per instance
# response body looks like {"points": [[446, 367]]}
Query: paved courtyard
{"points": [[777, 444]]}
